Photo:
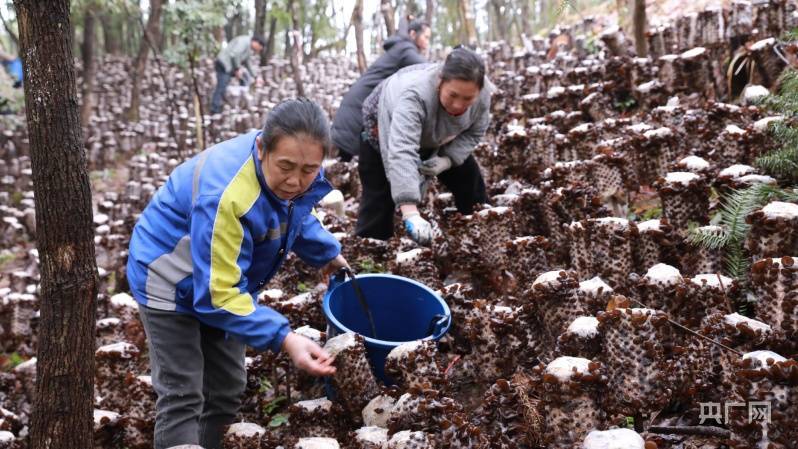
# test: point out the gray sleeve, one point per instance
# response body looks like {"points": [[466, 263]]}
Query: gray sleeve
{"points": [[226, 59], [463, 145], [400, 150]]}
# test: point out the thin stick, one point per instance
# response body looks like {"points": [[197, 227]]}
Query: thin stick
{"points": [[694, 332], [707, 431]]}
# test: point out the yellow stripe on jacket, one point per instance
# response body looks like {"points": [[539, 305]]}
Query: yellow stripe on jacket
{"points": [[237, 199]]}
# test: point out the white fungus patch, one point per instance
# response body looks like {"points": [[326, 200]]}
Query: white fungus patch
{"points": [[639, 127], [734, 129], [755, 93], [680, 177], [584, 326], [124, 349], [146, 380], [514, 130], [694, 52], [761, 358], [760, 44], [124, 300], [378, 410], [649, 225], [310, 405], [712, 280], [372, 434], [756, 179], [736, 171], [317, 443], [613, 439], [100, 414], [245, 430], [300, 299], [548, 278], [340, 343], [555, 91], [563, 367], [621, 222], [6, 437], [658, 133], [762, 124], [404, 349], [309, 332], [105, 323], [408, 257], [694, 163], [501, 210], [733, 319], [663, 274], [404, 438], [780, 209], [593, 286]]}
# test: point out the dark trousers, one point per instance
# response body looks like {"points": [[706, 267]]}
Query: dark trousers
{"points": [[376, 213], [222, 80], [199, 376]]}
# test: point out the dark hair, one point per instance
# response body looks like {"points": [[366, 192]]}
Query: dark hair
{"points": [[259, 39], [417, 25], [464, 64], [293, 117]]}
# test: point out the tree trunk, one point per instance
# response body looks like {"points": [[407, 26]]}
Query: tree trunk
{"points": [[501, 24], [149, 38], [64, 398], [111, 42], [260, 25], [296, 49], [639, 28], [388, 15], [467, 19], [89, 70], [621, 6], [357, 21], [269, 50], [429, 11], [526, 18]]}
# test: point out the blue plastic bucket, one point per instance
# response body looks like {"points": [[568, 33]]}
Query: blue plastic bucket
{"points": [[403, 310]]}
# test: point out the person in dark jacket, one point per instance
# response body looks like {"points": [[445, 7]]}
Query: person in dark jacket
{"points": [[400, 51]]}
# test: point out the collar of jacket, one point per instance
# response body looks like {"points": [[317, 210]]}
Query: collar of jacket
{"points": [[318, 189]]}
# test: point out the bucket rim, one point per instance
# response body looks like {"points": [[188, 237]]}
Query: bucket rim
{"points": [[387, 343]]}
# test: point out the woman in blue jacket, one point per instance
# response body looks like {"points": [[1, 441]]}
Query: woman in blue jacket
{"points": [[208, 241]]}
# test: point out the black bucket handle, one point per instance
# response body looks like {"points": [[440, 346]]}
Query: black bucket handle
{"points": [[345, 271]]}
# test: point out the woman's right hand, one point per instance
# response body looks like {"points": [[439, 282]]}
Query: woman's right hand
{"points": [[308, 356]]}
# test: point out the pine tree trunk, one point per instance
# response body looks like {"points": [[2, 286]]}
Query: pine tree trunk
{"points": [[429, 11], [526, 18], [501, 25], [110, 34], [63, 403], [467, 20], [296, 49], [639, 28], [386, 7], [89, 70], [260, 25], [149, 40], [357, 21], [270, 42]]}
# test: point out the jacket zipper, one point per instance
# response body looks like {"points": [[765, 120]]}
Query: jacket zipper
{"points": [[281, 252]]}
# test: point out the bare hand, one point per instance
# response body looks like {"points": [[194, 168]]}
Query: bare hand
{"points": [[334, 265], [308, 356]]}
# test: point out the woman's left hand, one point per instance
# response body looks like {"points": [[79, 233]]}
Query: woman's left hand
{"points": [[334, 265]]}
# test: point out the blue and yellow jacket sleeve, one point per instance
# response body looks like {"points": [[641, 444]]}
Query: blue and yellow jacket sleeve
{"points": [[314, 244], [221, 250]]}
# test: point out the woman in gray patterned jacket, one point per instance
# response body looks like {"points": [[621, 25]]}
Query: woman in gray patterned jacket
{"points": [[422, 122]]}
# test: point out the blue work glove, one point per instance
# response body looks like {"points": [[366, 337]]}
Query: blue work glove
{"points": [[418, 228], [435, 165]]}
